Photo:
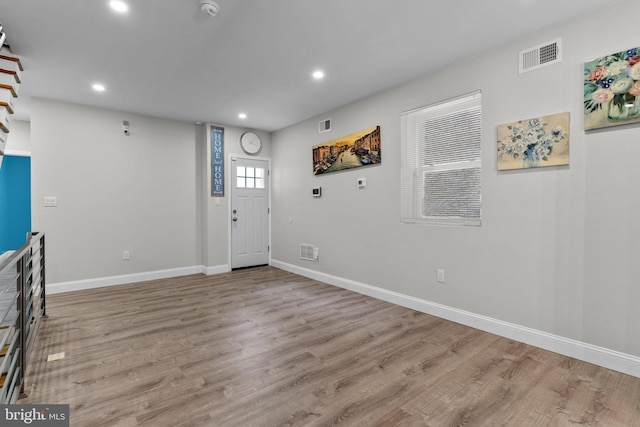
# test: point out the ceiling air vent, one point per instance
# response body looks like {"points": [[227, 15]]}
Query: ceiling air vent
{"points": [[324, 126], [307, 252], [540, 56]]}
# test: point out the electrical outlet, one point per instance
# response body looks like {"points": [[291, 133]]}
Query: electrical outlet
{"points": [[441, 275], [126, 255]]}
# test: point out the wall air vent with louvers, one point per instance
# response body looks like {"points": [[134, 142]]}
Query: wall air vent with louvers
{"points": [[540, 56], [307, 252], [324, 126]]}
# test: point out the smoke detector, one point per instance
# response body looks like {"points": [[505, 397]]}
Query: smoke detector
{"points": [[209, 7]]}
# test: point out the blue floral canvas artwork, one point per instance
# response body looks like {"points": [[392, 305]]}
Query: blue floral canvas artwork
{"points": [[612, 90], [532, 143]]}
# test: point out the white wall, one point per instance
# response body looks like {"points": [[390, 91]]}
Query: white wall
{"points": [[114, 192], [558, 247], [19, 139], [148, 193]]}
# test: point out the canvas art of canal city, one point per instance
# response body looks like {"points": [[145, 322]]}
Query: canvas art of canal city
{"points": [[350, 151]]}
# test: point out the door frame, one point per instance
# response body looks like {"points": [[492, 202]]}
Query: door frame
{"points": [[230, 178]]}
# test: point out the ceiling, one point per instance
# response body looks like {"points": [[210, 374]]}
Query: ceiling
{"points": [[168, 59]]}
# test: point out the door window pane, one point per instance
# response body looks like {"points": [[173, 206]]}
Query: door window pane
{"points": [[247, 177]]}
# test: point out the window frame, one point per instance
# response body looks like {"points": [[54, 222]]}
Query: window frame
{"points": [[414, 167]]}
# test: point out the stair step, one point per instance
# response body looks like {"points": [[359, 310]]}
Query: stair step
{"points": [[8, 79], [10, 89], [9, 61], [7, 106], [16, 75]]}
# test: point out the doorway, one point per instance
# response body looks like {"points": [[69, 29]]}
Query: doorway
{"points": [[249, 212]]}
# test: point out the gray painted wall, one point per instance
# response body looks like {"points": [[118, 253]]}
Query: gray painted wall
{"points": [[558, 247], [148, 193], [114, 192], [19, 139], [556, 251]]}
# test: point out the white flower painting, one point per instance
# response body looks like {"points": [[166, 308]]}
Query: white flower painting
{"points": [[532, 143]]}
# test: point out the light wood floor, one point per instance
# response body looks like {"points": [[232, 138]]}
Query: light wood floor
{"points": [[263, 347]]}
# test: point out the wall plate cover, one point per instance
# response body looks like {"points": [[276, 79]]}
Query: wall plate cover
{"points": [[50, 201]]}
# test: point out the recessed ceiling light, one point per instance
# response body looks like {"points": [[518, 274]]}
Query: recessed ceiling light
{"points": [[242, 115], [318, 74], [98, 87], [118, 6]]}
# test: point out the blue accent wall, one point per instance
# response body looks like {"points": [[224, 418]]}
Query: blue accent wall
{"points": [[15, 201]]}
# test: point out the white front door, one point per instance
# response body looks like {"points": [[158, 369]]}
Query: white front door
{"points": [[249, 212]]}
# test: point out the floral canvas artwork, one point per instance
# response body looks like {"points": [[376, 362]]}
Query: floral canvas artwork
{"points": [[612, 90], [532, 143]]}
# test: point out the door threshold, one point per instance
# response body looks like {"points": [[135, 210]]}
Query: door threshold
{"points": [[249, 266]]}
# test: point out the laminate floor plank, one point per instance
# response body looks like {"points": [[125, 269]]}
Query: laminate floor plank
{"points": [[264, 347]]}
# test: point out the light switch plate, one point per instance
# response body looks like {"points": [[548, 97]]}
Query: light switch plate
{"points": [[50, 201]]}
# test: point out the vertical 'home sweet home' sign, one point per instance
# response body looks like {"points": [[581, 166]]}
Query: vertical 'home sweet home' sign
{"points": [[217, 161]]}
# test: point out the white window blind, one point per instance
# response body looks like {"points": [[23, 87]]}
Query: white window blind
{"points": [[441, 163]]}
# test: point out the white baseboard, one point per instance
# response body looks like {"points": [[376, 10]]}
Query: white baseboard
{"points": [[20, 153], [78, 285], [216, 269], [600, 356]]}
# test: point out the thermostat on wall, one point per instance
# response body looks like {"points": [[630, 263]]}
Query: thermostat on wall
{"points": [[316, 191]]}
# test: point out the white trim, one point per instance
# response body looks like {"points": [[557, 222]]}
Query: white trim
{"points": [[19, 153], [78, 285], [600, 356], [231, 181], [216, 269]]}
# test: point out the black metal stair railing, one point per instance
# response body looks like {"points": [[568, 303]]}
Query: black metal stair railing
{"points": [[22, 306]]}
